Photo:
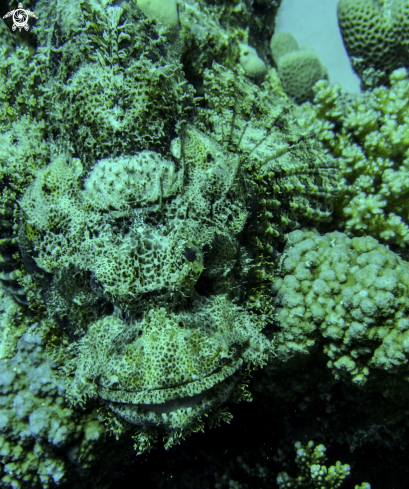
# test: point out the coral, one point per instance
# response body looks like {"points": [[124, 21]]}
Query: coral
{"points": [[298, 68], [150, 230], [368, 135], [375, 35], [310, 460], [167, 16], [44, 442], [253, 66], [258, 466], [215, 30], [165, 12], [282, 43], [348, 298], [14, 323]]}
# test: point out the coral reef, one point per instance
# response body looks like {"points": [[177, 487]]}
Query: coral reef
{"points": [[43, 442], [376, 37], [368, 136], [156, 183], [349, 298], [298, 68], [223, 32], [153, 230], [312, 471], [340, 359]]}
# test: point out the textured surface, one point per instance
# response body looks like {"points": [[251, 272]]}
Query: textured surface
{"points": [[23, 149], [116, 84], [152, 226], [213, 31], [314, 23], [375, 35], [298, 68], [169, 369], [143, 253], [141, 240], [312, 471], [368, 134], [43, 442], [348, 297], [147, 232], [253, 66]]}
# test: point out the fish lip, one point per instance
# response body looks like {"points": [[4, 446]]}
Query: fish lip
{"points": [[160, 395], [177, 413]]}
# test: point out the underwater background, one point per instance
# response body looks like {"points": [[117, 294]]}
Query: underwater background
{"points": [[204, 230]]}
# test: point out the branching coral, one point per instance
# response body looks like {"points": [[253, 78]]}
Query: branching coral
{"points": [[312, 471], [369, 136]]}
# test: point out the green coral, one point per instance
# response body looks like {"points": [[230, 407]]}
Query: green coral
{"points": [[368, 135], [298, 68], [349, 298], [222, 32], [313, 473], [375, 34], [43, 441]]}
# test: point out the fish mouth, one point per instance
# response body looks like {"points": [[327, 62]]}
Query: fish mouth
{"points": [[180, 413], [180, 406], [161, 399]]}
